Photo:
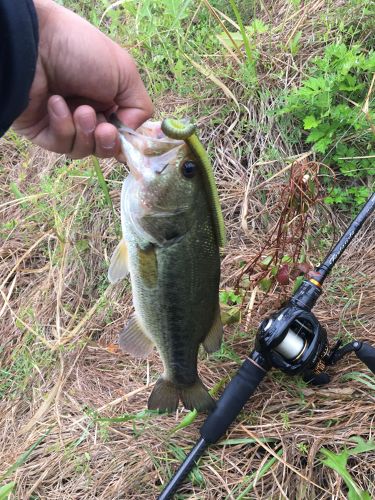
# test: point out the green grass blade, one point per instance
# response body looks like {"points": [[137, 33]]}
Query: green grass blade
{"points": [[186, 421], [363, 378], [127, 417], [102, 182], [6, 490], [245, 39], [338, 462], [14, 189], [24, 457], [266, 467], [195, 474]]}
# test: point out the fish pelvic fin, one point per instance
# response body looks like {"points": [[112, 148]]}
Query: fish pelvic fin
{"points": [[134, 340], [118, 267], [197, 397], [164, 396], [214, 337]]}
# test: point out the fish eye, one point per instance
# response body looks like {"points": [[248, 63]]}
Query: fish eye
{"points": [[189, 169]]}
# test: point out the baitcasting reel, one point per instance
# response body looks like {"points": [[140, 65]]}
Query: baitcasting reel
{"points": [[291, 340], [294, 341]]}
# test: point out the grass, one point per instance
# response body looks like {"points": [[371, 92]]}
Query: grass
{"points": [[338, 462], [61, 368]]}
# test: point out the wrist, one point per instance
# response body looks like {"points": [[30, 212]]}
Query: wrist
{"points": [[19, 56]]}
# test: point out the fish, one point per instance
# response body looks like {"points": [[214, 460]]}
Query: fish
{"points": [[172, 231]]}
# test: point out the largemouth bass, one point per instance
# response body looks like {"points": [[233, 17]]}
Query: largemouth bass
{"points": [[172, 230]]}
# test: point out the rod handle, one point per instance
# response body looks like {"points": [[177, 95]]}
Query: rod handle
{"points": [[236, 394], [366, 353]]}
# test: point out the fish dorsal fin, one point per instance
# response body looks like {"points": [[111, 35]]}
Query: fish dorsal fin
{"points": [[134, 340], [213, 339], [177, 129], [118, 267]]}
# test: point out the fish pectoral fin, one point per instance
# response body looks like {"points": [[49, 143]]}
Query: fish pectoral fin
{"points": [[214, 337], [196, 397], [148, 265], [134, 340], [164, 396], [118, 267], [173, 240]]}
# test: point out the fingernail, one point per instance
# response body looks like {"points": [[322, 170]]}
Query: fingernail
{"points": [[59, 107], [108, 142], [87, 123]]}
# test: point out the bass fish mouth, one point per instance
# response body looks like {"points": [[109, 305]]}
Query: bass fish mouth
{"points": [[149, 150]]}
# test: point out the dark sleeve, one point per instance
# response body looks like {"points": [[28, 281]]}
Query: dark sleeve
{"points": [[18, 54]]}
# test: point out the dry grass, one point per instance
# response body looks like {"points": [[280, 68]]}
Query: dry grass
{"points": [[59, 319], [59, 332]]}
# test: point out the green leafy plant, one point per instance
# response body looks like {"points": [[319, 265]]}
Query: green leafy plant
{"points": [[338, 462], [334, 107], [230, 307], [283, 272], [230, 297], [102, 182]]}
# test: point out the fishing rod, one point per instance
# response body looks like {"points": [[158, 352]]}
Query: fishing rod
{"points": [[291, 340]]}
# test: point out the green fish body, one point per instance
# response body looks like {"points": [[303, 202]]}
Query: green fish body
{"points": [[171, 250]]}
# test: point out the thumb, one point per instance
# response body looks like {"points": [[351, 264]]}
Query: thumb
{"points": [[133, 117]]}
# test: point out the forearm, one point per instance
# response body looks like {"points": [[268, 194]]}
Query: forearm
{"points": [[44, 8], [18, 54]]}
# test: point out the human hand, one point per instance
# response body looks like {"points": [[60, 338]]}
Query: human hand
{"points": [[81, 77]]}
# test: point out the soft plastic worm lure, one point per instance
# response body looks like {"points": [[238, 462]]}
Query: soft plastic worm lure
{"points": [[176, 129]]}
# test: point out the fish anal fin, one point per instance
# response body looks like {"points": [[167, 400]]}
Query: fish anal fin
{"points": [[196, 397], [133, 339], [164, 396], [118, 267], [148, 265], [213, 339]]}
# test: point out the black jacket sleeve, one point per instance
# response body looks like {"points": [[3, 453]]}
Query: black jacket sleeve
{"points": [[18, 54]]}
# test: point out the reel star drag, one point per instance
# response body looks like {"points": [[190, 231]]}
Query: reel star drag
{"points": [[291, 340]]}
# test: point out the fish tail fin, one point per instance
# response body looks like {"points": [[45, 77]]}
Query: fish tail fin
{"points": [[197, 397], [164, 396]]}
